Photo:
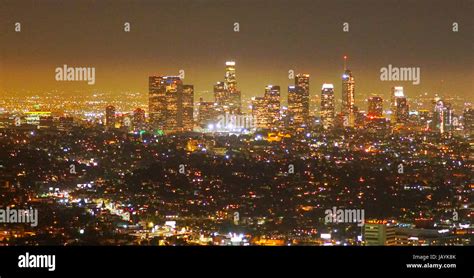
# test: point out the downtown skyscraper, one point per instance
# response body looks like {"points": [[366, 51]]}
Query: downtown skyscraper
{"points": [[272, 96], [226, 95], [399, 106], [207, 114], [442, 116], [186, 108], [170, 104], [266, 109], [468, 117], [220, 93], [375, 106], [327, 106], [259, 112], [348, 95], [138, 121], [298, 102]]}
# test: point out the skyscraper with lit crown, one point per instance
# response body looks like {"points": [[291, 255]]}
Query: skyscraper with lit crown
{"points": [[327, 106], [399, 106], [233, 96]]}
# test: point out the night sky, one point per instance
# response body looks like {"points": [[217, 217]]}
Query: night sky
{"points": [[274, 36]]}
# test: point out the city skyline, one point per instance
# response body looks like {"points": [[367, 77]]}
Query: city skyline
{"points": [[173, 106]]}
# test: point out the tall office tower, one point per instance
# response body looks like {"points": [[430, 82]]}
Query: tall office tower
{"points": [[399, 106], [375, 107], [302, 81], [110, 116], [298, 101], [235, 102], [359, 117], [230, 82], [170, 104], [295, 106], [173, 95], [259, 112], [402, 110], [348, 94], [448, 117], [327, 106], [220, 93], [442, 116], [138, 119], [233, 96], [468, 122], [186, 108], [207, 114], [272, 96], [378, 233], [156, 101]]}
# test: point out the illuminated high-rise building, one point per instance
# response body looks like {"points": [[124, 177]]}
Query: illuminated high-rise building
{"points": [[442, 116], [266, 109], [348, 94], [226, 95], [230, 82], [295, 106], [138, 121], [402, 110], [298, 101], [302, 80], [272, 96], [375, 106], [170, 105], [156, 101], [327, 106], [259, 112], [207, 114], [399, 106], [186, 108], [220, 93], [235, 102], [468, 122], [173, 90], [110, 116], [233, 96]]}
